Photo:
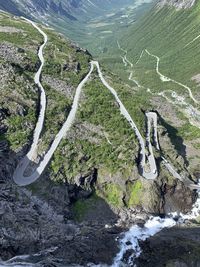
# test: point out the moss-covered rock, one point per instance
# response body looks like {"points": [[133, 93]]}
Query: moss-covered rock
{"points": [[136, 191], [112, 193]]}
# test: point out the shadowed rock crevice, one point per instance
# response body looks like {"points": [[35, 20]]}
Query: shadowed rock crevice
{"points": [[175, 139]]}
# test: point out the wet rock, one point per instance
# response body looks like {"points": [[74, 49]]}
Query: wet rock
{"points": [[3, 129], [78, 67], [72, 66], [114, 230], [178, 198], [4, 112], [21, 50], [84, 194], [172, 247]]}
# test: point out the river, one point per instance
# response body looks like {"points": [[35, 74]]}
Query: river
{"points": [[129, 242]]}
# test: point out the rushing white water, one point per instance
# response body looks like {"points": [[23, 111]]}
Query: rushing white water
{"points": [[15, 264], [136, 233], [131, 238], [18, 261]]}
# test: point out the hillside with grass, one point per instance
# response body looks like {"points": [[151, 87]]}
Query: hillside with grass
{"points": [[92, 188], [100, 153], [100, 139], [164, 49]]}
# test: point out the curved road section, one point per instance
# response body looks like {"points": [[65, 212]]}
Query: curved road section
{"points": [[152, 121], [152, 173], [38, 129], [19, 177], [147, 166], [167, 79]]}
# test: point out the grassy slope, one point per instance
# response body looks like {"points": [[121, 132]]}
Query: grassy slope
{"points": [[65, 53], [116, 146], [165, 32], [100, 137], [15, 91]]}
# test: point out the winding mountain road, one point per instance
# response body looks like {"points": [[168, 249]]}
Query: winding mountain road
{"points": [[167, 79], [38, 129], [193, 40], [124, 58], [152, 123], [141, 55], [147, 166], [19, 177], [133, 80], [127, 62], [152, 173]]}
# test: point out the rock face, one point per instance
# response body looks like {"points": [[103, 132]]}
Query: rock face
{"points": [[179, 4], [38, 219], [176, 247]]}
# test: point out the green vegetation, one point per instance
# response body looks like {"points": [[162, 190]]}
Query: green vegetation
{"points": [[64, 60], [100, 138], [165, 33], [112, 193], [18, 132], [136, 192], [112, 144], [189, 132], [19, 91], [82, 206]]}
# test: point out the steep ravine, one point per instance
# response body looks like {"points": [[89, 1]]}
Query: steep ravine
{"points": [[71, 221]]}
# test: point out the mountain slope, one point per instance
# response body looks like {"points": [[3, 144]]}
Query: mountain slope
{"points": [[69, 9], [10, 6], [164, 49], [69, 215], [98, 142], [89, 23], [45, 215]]}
